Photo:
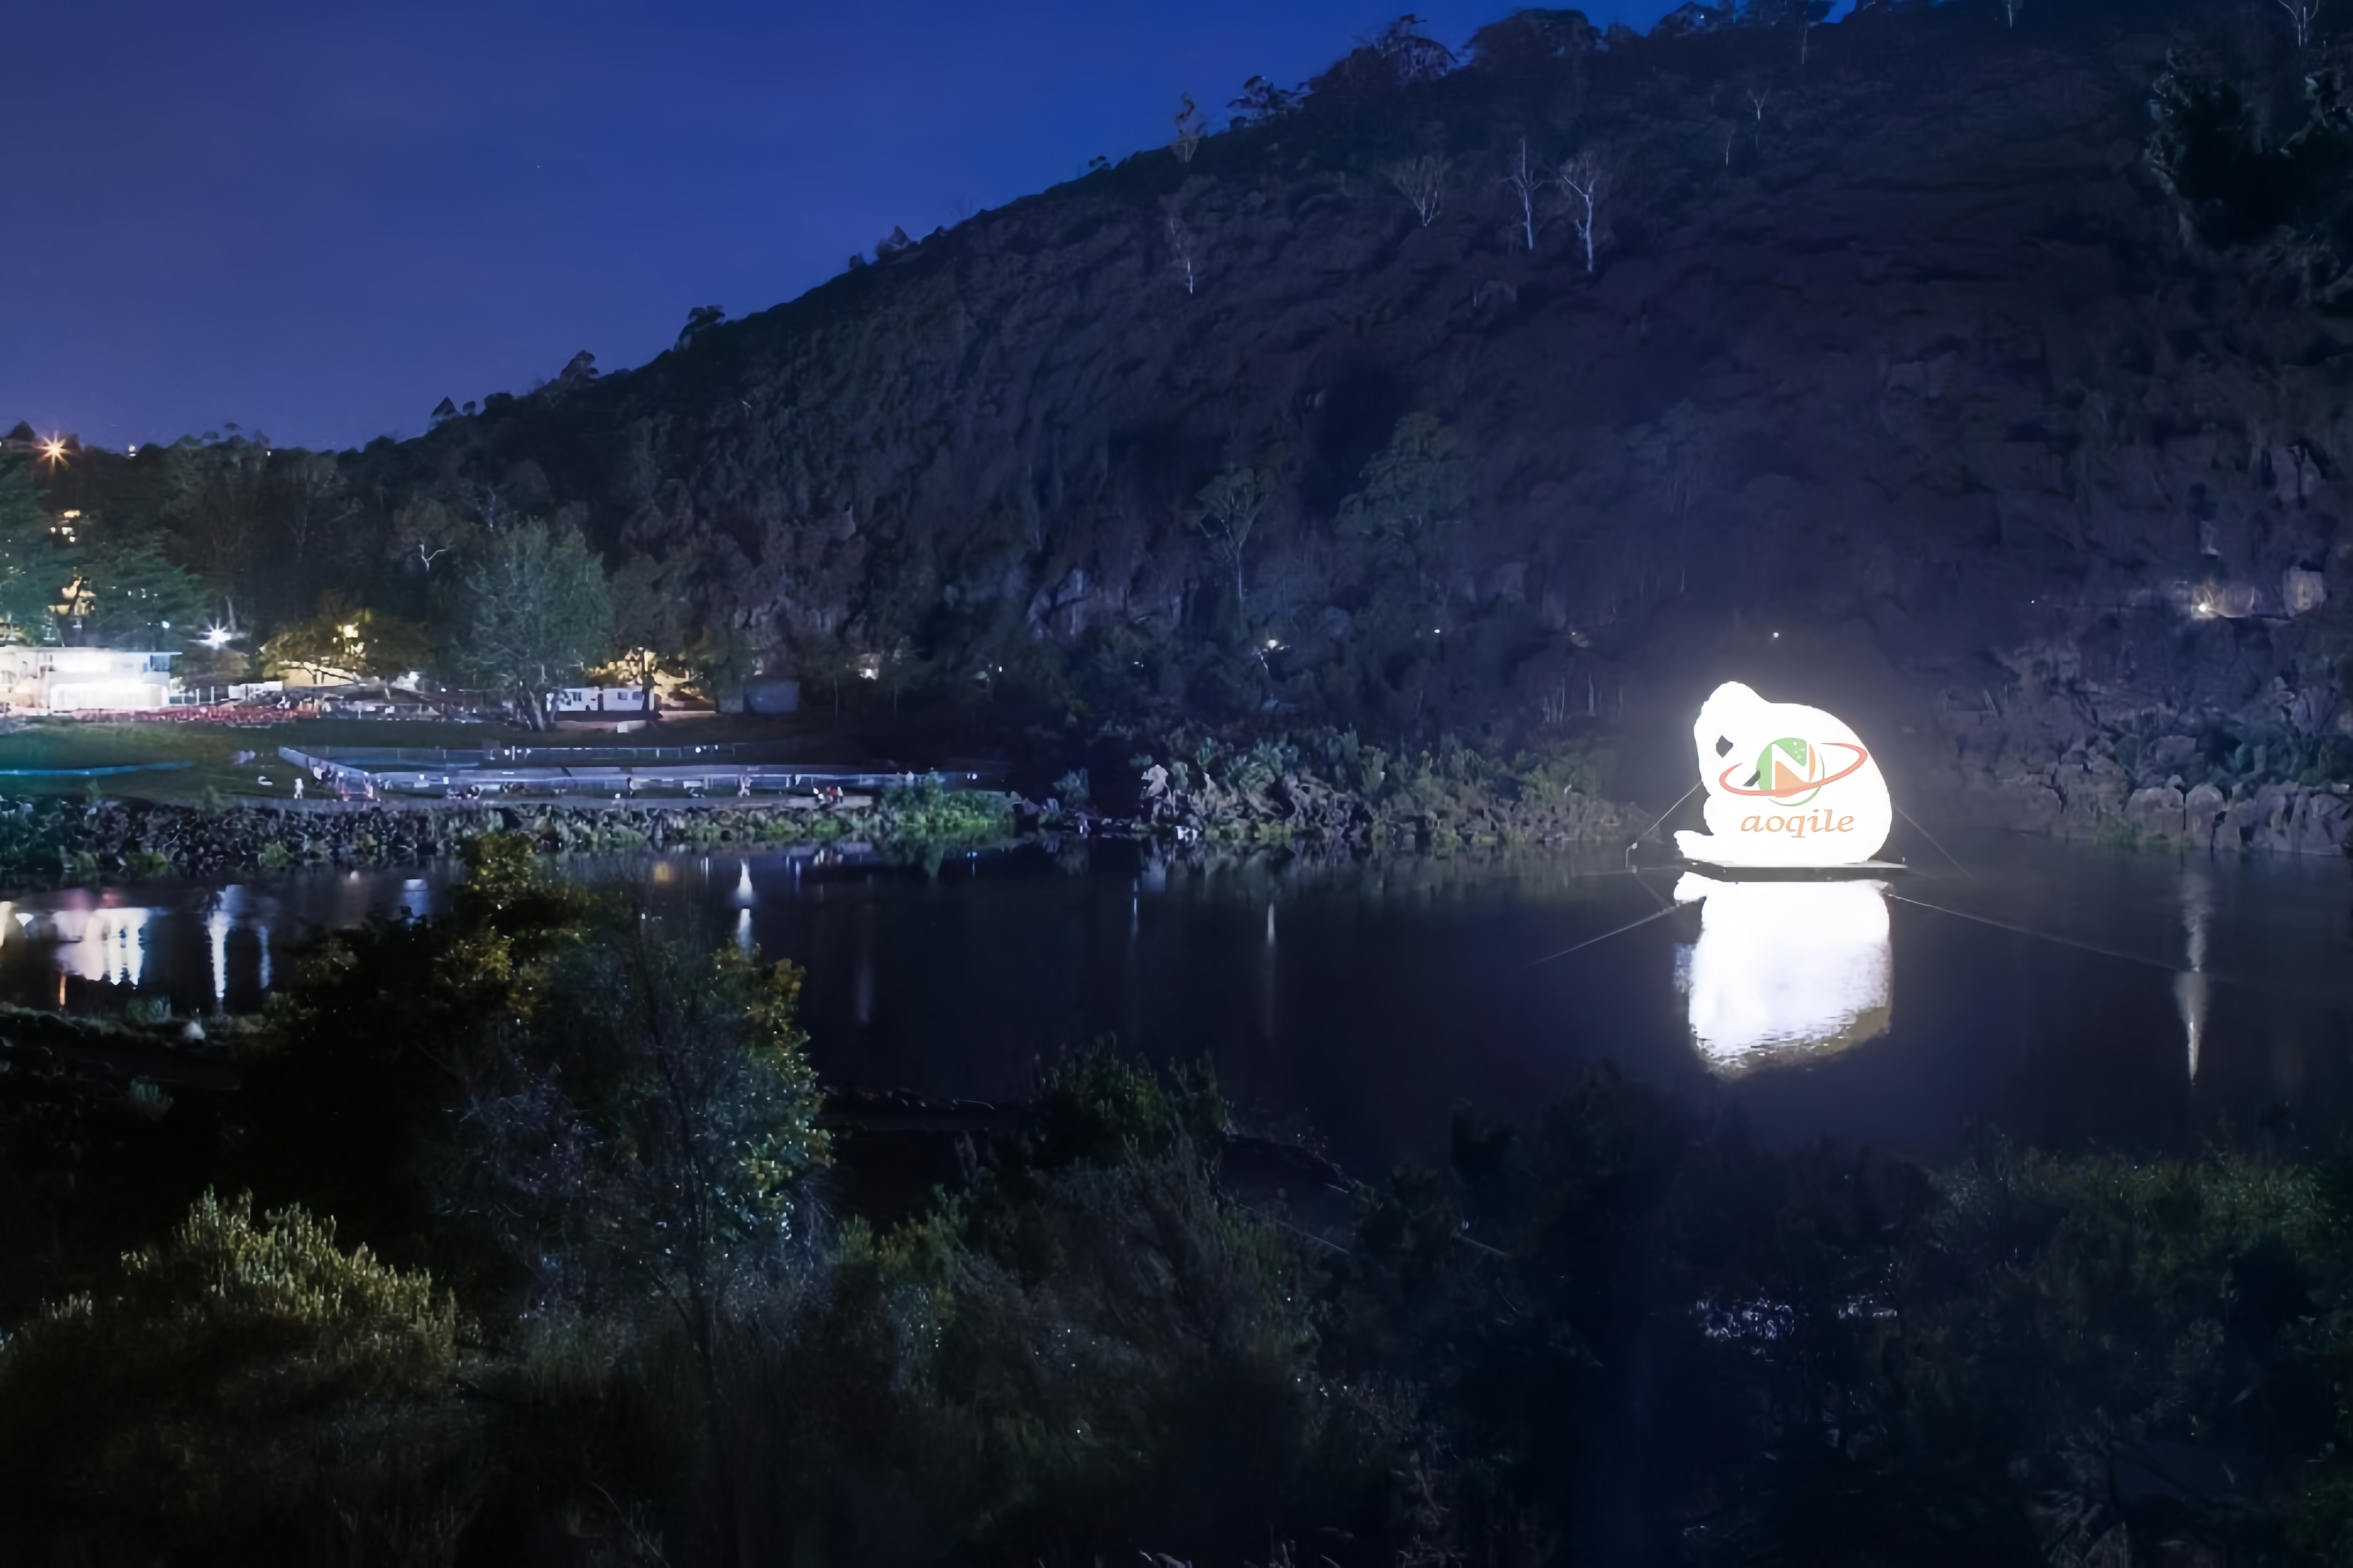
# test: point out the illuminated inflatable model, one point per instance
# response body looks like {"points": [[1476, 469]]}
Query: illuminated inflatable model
{"points": [[1788, 787]]}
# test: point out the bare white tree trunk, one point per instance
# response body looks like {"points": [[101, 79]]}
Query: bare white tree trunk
{"points": [[1184, 253], [2300, 15], [1580, 180], [1422, 182], [1190, 127], [1521, 178]]}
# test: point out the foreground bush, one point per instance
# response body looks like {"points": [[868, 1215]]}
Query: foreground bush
{"points": [[239, 1382]]}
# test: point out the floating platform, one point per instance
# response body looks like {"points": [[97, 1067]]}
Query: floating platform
{"points": [[1859, 870]]}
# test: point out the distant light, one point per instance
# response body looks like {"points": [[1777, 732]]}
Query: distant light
{"points": [[1777, 637], [53, 450], [350, 631], [167, 626], [214, 638], [1271, 643]]}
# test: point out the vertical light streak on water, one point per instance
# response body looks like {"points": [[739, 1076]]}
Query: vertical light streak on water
{"points": [[1266, 987], [865, 966], [2190, 986], [129, 959], [743, 929], [218, 924], [262, 930]]}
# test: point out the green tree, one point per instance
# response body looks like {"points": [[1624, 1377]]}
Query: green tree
{"points": [[340, 642], [649, 615], [32, 567], [1413, 500], [129, 594], [1226, 511], [534, 611]]}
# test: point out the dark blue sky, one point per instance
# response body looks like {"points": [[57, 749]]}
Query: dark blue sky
{"points": [[316, 218]]}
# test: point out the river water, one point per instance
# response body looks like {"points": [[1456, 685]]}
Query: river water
{"points": [[2069, 996]]}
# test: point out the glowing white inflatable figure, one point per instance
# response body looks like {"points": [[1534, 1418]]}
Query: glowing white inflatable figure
{"points": [[1785, 969], [1786, 785]]}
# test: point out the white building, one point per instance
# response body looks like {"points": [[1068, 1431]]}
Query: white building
{"points": [[61, 680], [597, 699]]}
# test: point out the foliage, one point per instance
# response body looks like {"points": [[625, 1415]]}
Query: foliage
{"points": [[129, 594], [653, 1124], [342, 642], [535, 612], [2239, 188], [240, 1376], [1226, 511], [651, 607], [1327, 782], [925, 810], [1414, 495], [33, 566]]}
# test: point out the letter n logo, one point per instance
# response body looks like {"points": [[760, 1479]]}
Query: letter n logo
{"points": [[1786, 770]]}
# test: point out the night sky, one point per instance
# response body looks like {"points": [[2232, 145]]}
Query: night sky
{"points": [[316, 219]]}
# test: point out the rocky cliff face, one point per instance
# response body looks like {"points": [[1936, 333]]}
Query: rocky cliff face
{"points": [[1898, 381]]}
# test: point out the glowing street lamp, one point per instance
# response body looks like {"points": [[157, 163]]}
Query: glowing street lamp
{"points": [[214, 638], [53, 451]]}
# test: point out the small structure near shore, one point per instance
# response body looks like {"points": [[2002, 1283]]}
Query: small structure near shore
{"points": [[72, 680]]}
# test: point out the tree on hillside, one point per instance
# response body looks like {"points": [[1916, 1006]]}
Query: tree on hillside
{"points": [[1226, 511], [1581, 180], [533, 611], [128, 595], [212, 503], [33, 566], [1263, 103], [342, 642], [1412, 54], [649, 616], [1422, 182], [1190, 127], [699, 321], [1415, 495], [1524, 176], [425, 530]]}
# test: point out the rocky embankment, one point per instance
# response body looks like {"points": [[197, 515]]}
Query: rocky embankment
{"points": [[50, 840], [1328, 787], [2051, 761]]}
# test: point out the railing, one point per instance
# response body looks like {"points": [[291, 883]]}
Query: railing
{"points": [[467, 774]]}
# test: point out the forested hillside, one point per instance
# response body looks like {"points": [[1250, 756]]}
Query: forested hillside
{"points": [[1975, 366]]}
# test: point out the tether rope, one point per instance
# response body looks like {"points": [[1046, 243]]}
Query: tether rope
{"points": [[1605, 936], [1931, 838], [2039, 935]]}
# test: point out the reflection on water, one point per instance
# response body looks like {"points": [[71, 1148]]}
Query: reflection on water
{"points": [[2055, 992], [1785, 969], [2191, 989]]}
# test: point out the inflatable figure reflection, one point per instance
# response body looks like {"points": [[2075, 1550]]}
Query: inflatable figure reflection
{"points": [[1785, 969], [1786, 785]]}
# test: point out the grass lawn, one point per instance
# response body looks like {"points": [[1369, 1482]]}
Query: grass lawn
{"points": [[207, 749]]}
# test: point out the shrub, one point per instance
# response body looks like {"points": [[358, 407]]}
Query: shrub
{"points": [[236, 1377]]}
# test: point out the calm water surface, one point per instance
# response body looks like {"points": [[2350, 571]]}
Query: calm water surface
{"points": [[2068, 995]]}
